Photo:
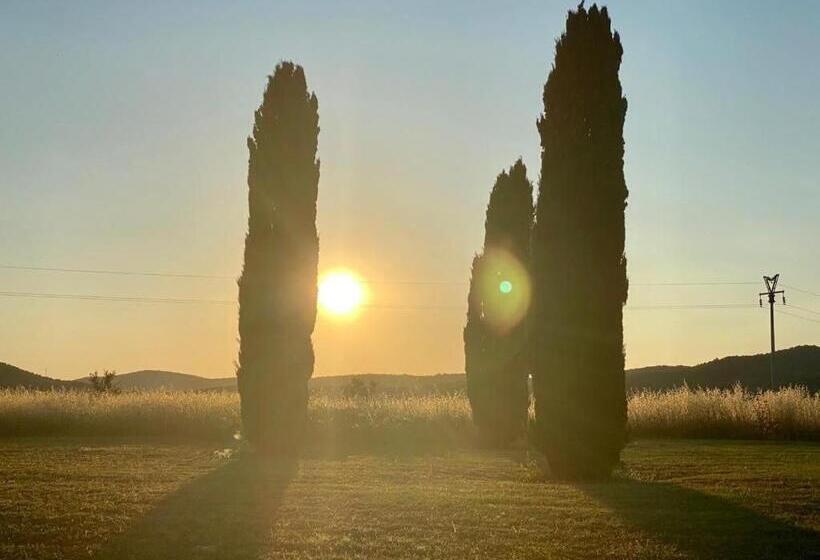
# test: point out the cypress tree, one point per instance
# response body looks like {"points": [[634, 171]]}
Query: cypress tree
{"points": [[578, 253], [475, 360], [277, 289], [495, 336]]}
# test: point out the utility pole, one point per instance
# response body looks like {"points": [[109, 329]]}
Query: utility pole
{"points": [[771, 291]]}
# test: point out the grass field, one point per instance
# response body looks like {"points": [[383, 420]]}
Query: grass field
{"points": [[378, 422], [115, 498]]}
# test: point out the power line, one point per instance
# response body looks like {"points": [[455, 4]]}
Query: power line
{"points": [[416, 282], [405, 306], [116, 272], [693, 283], [796, 289], [641, 284], [627, 308], [797, 316], [129, 299], [804, 309], [109, 272], [150, 299], [692, 306], [146, 299]]}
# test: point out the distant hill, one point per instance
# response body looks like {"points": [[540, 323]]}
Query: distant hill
{"points": [[12, 376], [153, 380], [391, 383], [158, 380], [794, 366]]}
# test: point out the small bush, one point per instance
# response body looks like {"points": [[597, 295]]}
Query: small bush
{"points": [[103, 383]]}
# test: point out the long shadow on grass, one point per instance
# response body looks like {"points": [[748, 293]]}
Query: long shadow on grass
{"points": [[702, 525], [225, 514]]}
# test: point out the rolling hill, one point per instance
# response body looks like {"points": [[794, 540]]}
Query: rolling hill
{"points": [[12, 376], [794, 366], [159, 380]]}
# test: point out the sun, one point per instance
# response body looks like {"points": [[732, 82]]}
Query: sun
{"points": [[340, 293]]}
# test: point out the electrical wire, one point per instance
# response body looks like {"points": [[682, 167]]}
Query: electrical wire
{"points": [[781, 312], [796, 289], [813, 312], [98, 297], [186, 275], [672, 284], [149, 299], [366, 281], [115, 272]]}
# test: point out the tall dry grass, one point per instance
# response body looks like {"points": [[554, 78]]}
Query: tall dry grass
{"points": [[788, 413], [210, 415], [383, 422], [396, 422], [345, 422]]}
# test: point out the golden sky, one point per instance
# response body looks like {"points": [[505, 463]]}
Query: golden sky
{"points": [[122, 148]]}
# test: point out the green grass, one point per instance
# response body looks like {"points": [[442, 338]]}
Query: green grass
{"points": [[110, 498]]}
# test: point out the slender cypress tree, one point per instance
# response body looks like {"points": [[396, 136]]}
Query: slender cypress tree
{"points": [[495, 336], [578, 253], [277, 289], [475, 359]]}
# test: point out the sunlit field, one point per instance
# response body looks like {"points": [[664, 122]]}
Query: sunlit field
{"points": [[409, 280], [70, 498], [389, 422], [788, 413]]}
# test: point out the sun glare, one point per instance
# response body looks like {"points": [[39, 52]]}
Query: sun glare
{"points": [[340, 293]]}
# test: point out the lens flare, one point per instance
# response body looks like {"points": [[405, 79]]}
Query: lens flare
{"points": [[505, 288], [340, 293]]}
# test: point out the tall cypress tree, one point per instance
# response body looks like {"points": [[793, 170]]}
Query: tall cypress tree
{"points": [[277, 289], [495, 336], [578, 253]]}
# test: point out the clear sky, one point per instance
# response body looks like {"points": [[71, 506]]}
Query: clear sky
{"points": [[122, 147]]}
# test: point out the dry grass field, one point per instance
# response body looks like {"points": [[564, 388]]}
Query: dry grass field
{"points": [[72, 498], [163, 475], [411, 422]]}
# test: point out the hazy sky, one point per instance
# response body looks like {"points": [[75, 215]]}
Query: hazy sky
{"points": [[122, 147]]}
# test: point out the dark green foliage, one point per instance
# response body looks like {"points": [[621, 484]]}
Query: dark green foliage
{"points": [[495, 336], [103, 383], [578, 253], [475, 335], [277, 289]]}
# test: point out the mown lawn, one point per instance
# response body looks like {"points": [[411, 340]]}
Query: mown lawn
{"points": [[81, 498]]}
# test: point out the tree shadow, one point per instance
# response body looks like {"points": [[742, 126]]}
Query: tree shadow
{"points": [[227, 513], [703, 525]]}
